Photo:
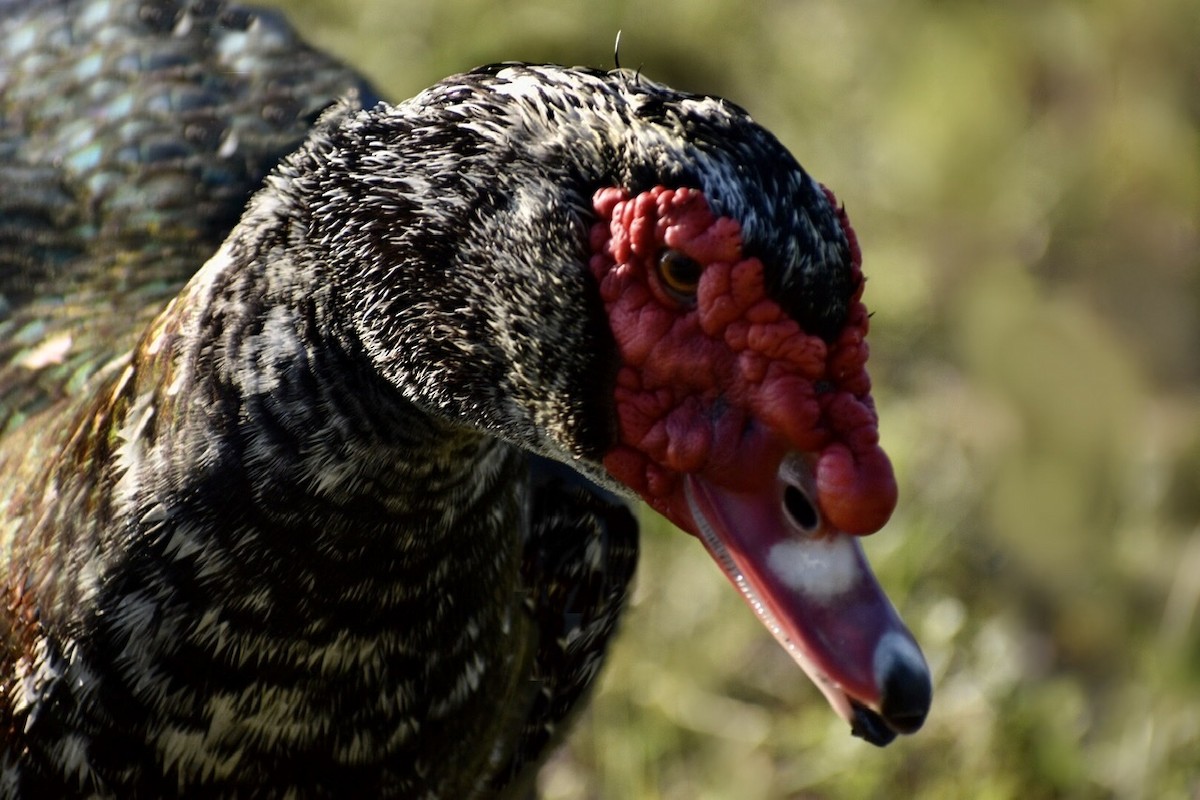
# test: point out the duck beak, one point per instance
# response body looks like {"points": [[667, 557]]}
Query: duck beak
{"points": [[812, 587]]}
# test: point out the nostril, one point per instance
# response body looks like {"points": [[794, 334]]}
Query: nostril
{"points": [[800, 509]]}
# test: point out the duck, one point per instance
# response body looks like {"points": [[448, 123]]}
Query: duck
{"points": [[321, 417]]}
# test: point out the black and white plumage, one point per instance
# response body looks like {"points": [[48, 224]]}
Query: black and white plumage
{"points": [[300, 525]]}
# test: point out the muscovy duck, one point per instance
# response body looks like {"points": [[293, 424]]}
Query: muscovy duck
{"points": [[343, 512]]}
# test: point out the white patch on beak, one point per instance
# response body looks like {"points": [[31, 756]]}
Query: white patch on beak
{"points": [[821, 569]]}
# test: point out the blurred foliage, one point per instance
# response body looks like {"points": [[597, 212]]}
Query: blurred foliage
{"points": [[1025, 180]]}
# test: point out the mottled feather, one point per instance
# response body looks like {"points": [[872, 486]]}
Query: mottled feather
{"points": [[139, 633]]}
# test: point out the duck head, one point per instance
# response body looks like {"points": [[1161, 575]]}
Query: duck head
{"points": [[646, 285]]}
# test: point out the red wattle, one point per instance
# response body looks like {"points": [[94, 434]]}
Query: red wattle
{"points": [[856, 493]]}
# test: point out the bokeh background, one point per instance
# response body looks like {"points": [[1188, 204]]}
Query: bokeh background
{"points": [[1025, 181]]}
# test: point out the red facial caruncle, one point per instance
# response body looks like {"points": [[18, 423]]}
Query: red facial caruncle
{"points": [[725, 382], [758, 437]]}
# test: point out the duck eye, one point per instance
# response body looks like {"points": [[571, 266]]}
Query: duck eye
{"points": [[679, 274]]}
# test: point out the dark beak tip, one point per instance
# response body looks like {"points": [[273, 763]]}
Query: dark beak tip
{"points": [[870, 727], [907, 695]]}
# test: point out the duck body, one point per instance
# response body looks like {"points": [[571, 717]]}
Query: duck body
{"points": [[342, 512], [164, 640]]}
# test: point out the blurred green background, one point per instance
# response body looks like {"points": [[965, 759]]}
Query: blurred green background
{"points": [[1025, 180]]}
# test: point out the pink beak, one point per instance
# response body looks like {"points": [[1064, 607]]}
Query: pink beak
{"points": [[812, 587]]}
